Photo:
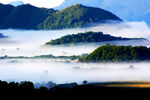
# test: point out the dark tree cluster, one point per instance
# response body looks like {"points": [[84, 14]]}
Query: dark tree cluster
{"points": [[86, 37], [26, 90], [22, 17], [31, 17], [113, 53]]}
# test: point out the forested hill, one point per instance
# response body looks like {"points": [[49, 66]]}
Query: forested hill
{"points": [[86, 37], [31, 17], [112, 53], [22, 17], [77, 16]]}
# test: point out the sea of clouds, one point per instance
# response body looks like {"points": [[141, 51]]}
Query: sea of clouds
{"points": [[31, 43]]}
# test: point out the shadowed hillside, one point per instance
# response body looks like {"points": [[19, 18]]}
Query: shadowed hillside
{"points": [[22, 17], [31, 17]]}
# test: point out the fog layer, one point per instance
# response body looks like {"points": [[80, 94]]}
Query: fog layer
{"points": [[45, 70], [30, 43]]}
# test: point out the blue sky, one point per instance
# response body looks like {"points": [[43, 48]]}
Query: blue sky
{"points": [[38, 3]]}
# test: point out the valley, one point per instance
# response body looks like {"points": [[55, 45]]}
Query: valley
{"points": [[72, 48]]}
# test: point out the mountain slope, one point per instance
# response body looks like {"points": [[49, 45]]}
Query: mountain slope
{"points": [[128, 10], [77, 16], [23, 17], [31, 17], [5, 10]]}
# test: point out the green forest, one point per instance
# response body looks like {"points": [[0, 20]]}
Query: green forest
{"points": [[113, 53], [31, 17], [22, 17], [86, 37], [76, 16]]}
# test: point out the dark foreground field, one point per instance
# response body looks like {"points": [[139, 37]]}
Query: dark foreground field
{"points": [[26, 90]]}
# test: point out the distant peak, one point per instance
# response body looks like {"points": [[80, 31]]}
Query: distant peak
{"points": [[78, 5], [16, 3]]}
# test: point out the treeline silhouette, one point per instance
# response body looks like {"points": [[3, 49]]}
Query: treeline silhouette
{"points": [[68, 91]]}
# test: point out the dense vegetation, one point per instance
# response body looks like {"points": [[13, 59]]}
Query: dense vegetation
{"points": [[86, 37], [77, 16], [22, 17], [26, 90], [31, 17], [60, 57], [112, 53]]}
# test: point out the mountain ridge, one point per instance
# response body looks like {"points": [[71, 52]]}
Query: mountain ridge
{"points": [[78, 16], [31, 17], [122, 8]]}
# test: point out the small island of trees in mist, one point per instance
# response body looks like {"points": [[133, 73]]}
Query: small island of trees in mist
{"points": [[87, 37], [113, 53], [105, 53]]}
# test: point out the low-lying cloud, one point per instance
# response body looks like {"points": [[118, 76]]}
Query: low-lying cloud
{"points": [[30, 42], [45, 70]]}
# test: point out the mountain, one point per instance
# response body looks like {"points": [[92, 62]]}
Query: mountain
{"points": [[31, 17], [112, 53], [22, 17], [128, 10], [16, 3], [5, 10], [87, 37], [77, 16]]}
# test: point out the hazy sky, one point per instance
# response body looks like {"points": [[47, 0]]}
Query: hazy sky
{"points": [[38, 3]]}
